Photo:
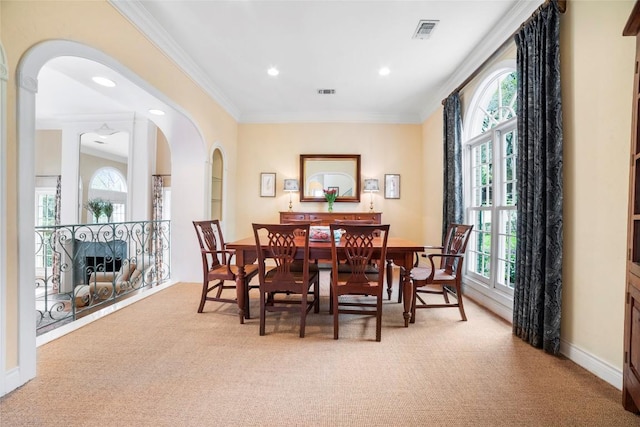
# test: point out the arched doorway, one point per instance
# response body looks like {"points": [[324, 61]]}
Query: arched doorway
{"points": [[187, 167], [217, 184]]}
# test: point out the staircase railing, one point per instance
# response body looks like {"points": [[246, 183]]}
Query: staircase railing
{"points": [[83, 267]]}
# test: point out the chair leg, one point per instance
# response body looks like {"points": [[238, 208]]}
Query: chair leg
{"points": [[389, 278], [316, 295], [262, 312], [203, 298], [445, 294], [247, 313], [220, 285], [379, 318], [336, 313], [304, 305], [400, 284], [413, 304], [460, 305]]}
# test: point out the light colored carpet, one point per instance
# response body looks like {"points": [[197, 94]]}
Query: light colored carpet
{"points": [[159, 363]]}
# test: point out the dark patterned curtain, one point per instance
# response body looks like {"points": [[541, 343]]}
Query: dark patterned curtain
{"points": [[452, 203], [54, 238], [538, 285]]}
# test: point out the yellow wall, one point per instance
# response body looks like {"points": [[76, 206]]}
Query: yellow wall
{"points": [[433, 151], [384, 149], [95, 23], [597, 84]]}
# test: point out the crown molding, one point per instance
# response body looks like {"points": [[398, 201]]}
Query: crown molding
{"points": [[135, 13], [518, 14], [330, 117]]}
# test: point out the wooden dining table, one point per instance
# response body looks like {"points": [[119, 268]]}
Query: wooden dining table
{"points": [[399, 251]]}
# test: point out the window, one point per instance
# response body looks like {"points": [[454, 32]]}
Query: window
{"points": [[45, 215], [109, 184], [490, 178]]}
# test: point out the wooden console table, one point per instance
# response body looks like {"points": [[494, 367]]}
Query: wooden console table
{"points": [[327, 218]]}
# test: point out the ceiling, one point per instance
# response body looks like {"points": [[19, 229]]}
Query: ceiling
{"points": [[228, 46]]}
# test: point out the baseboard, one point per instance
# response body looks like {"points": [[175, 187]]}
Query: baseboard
{"points": [[597, 367], [490, 304], [11, 381]]}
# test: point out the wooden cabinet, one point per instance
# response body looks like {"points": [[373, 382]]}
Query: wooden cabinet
{"points": [[327, 218], [631, 366]]}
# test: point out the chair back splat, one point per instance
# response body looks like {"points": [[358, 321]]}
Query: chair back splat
{"points": [[362, 250], [285, 245], [217, 267], [446, 278]]}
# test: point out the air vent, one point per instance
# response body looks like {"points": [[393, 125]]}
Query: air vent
{"points": [[326, 91], [425, 28]]}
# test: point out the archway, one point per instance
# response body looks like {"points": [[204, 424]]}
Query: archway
{"points": [[188, 169]]}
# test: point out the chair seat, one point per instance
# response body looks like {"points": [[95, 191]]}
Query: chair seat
{"points": [[422, 273], [217, 273], [297, 275], [369, 269]]}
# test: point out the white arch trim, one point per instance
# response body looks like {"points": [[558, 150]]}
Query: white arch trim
{"points": [[4, 374], [188, 172]]}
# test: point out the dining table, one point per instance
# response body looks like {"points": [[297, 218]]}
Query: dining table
{"points": [[400, 252]]}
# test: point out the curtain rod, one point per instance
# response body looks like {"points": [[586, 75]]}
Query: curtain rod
{"points": [[161, 174], [562, 7]]}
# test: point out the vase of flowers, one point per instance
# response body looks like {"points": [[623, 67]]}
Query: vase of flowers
{"points": [[330, 195]]}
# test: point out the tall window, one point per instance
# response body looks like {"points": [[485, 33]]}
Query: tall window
{"points": [[491, 181], [109, 184]]}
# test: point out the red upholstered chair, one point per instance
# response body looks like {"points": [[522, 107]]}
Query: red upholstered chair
{"points": [[282, 243], [443, 277], [357, 289], [217, 266]]}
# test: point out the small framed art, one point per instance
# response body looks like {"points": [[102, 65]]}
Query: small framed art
{"points": [[392, 186], [267, 184]]}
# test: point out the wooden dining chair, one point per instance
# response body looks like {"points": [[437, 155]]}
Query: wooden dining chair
{"points": [[282, 244], [361, 291], [217, 266], [443, 277]]}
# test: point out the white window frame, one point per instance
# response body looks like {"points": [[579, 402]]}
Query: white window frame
{"points": [[491, 290]]}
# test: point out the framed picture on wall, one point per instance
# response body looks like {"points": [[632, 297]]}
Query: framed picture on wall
{"points": [[267, 184], [392, 186]]}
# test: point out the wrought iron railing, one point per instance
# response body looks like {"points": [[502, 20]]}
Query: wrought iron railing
{"points": [[83, 267]]}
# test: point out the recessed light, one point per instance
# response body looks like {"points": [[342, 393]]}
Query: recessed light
{"points": [[273, 71], [157, 112], [103, 81], [384, 71]]}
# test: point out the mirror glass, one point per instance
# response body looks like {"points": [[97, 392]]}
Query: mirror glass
{"points": [[319, 172], [103, 172]]}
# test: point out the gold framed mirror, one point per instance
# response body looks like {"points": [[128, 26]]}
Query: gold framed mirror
{"points": [[319, 172]]}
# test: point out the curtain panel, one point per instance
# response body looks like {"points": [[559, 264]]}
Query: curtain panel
{"points": [[538, 283], [452, 202]]}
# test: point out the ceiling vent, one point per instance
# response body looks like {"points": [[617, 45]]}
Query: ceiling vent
{"points": [[326, 91], [425, 28]]}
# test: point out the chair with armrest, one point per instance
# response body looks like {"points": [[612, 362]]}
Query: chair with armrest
{"points": [[358, 283], [282, 243], [446, 278], [217, 266]]}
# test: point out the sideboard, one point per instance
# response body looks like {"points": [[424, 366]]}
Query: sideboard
{"points": [[327, 218]]}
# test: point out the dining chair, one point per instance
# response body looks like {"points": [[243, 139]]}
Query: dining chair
{"points": [[217, 266], [360, 246], [282, 244], [447, 277]]}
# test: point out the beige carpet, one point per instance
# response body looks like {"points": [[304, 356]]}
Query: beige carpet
{"points": [[159, 363]]}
